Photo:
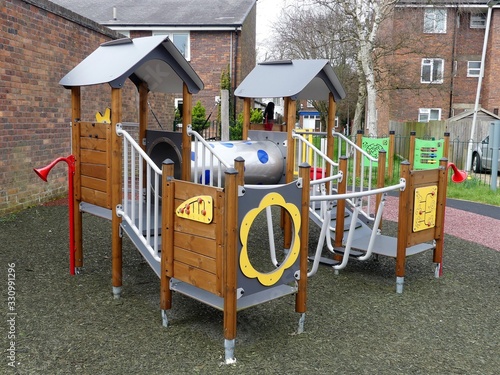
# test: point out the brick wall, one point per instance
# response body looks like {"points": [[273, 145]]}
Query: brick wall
{"points": [[490, 94], [457, 46], [39, 43]]}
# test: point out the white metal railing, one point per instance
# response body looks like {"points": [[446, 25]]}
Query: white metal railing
{"points": [[208, 161], [326, 229], [306, 151], [141, 194], [365, 181]]}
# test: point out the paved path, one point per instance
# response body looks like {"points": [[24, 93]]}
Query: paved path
{"points": [[470, 221]]}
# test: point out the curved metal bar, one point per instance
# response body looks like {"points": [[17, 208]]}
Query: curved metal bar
{"points": [[199, 138], [359, 194], [375, 231]]}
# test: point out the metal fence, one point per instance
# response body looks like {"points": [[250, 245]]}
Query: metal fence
{"points": [[457, 154]]}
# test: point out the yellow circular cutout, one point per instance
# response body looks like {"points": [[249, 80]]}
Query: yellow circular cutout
{"points": [[269, 278]]}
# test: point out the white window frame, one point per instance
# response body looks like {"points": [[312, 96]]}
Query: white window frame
{"points": [[478, 21], [429, 64], [125, 33], [171, 35], [473, 71], [435, 20], [424, 114]]}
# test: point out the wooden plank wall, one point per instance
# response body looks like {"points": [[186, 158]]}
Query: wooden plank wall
{"points": [[198, 246], [95, 163]]}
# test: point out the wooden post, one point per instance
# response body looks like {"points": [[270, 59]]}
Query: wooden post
{"points": [[359, 156], [411, 156], [239, 165], [230, 260], [286, 100], [167, 234], [380, 180], [440, 213], [143, 114], [405, 200], [392, 136], [446, 145], [187, 103], [290, 158], [116, 191], [341, 189], [77, 182], [246, 118], [301, 297]]}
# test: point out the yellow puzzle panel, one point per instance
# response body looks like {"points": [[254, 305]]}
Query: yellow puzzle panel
{"points": [[198, 208], [424, 208]]}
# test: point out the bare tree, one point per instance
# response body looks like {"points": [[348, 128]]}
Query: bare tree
{"points": [[345, 31], [311, 32], [369, 46], [366, 17]]}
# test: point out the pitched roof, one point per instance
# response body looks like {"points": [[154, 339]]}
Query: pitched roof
{"points": [[297, 79], [444, 3], [194, 13], [153, 60], [482, 114]]}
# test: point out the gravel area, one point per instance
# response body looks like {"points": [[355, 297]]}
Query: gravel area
{"points": [[355, 323]]}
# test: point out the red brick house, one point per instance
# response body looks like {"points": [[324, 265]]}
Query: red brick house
{"points": [[40, 42], [213, 35], [433, 74]]}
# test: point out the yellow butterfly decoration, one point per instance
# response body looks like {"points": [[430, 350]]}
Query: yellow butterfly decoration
{"points": [[104, 119]]}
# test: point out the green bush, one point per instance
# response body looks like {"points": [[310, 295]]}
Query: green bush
{"points": [[236, 129], [198, 120], [256, 116]]}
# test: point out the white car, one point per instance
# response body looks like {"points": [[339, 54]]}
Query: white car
{"points": [[482, 155]]}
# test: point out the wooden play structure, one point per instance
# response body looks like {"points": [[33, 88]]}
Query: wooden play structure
{"points": [[188, 208], [194, 235]]}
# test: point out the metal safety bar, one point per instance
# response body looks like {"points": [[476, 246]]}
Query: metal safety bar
{"points": [[356, 197], [203, 152], [362, 182], [141, 198]]}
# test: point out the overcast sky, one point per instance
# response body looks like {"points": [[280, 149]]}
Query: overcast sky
{"points": [[268, 12]]}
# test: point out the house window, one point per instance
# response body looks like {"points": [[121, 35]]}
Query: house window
{"points": [[125, 33], [478, 21], [310, 104], [473, 68], [435, 21], [180, 40], [428, 114], [432, 71]]}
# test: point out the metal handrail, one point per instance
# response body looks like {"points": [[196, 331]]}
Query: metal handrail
{"points": [[197, 170], [140, 196], [352, 149], [325, 228]]}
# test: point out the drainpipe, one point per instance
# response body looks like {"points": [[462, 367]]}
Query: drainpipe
{"points": [[490, 4], [453, 52]]}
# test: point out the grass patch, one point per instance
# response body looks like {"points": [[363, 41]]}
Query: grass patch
{"points": [[473, 190]]}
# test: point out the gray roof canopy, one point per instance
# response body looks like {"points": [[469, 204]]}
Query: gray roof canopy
{"points": [[153, 60], [201, 13], [297, 79]]}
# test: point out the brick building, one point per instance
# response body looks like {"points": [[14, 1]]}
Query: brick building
{"points": [[39, 43], [213, 35], [433, 74]]}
